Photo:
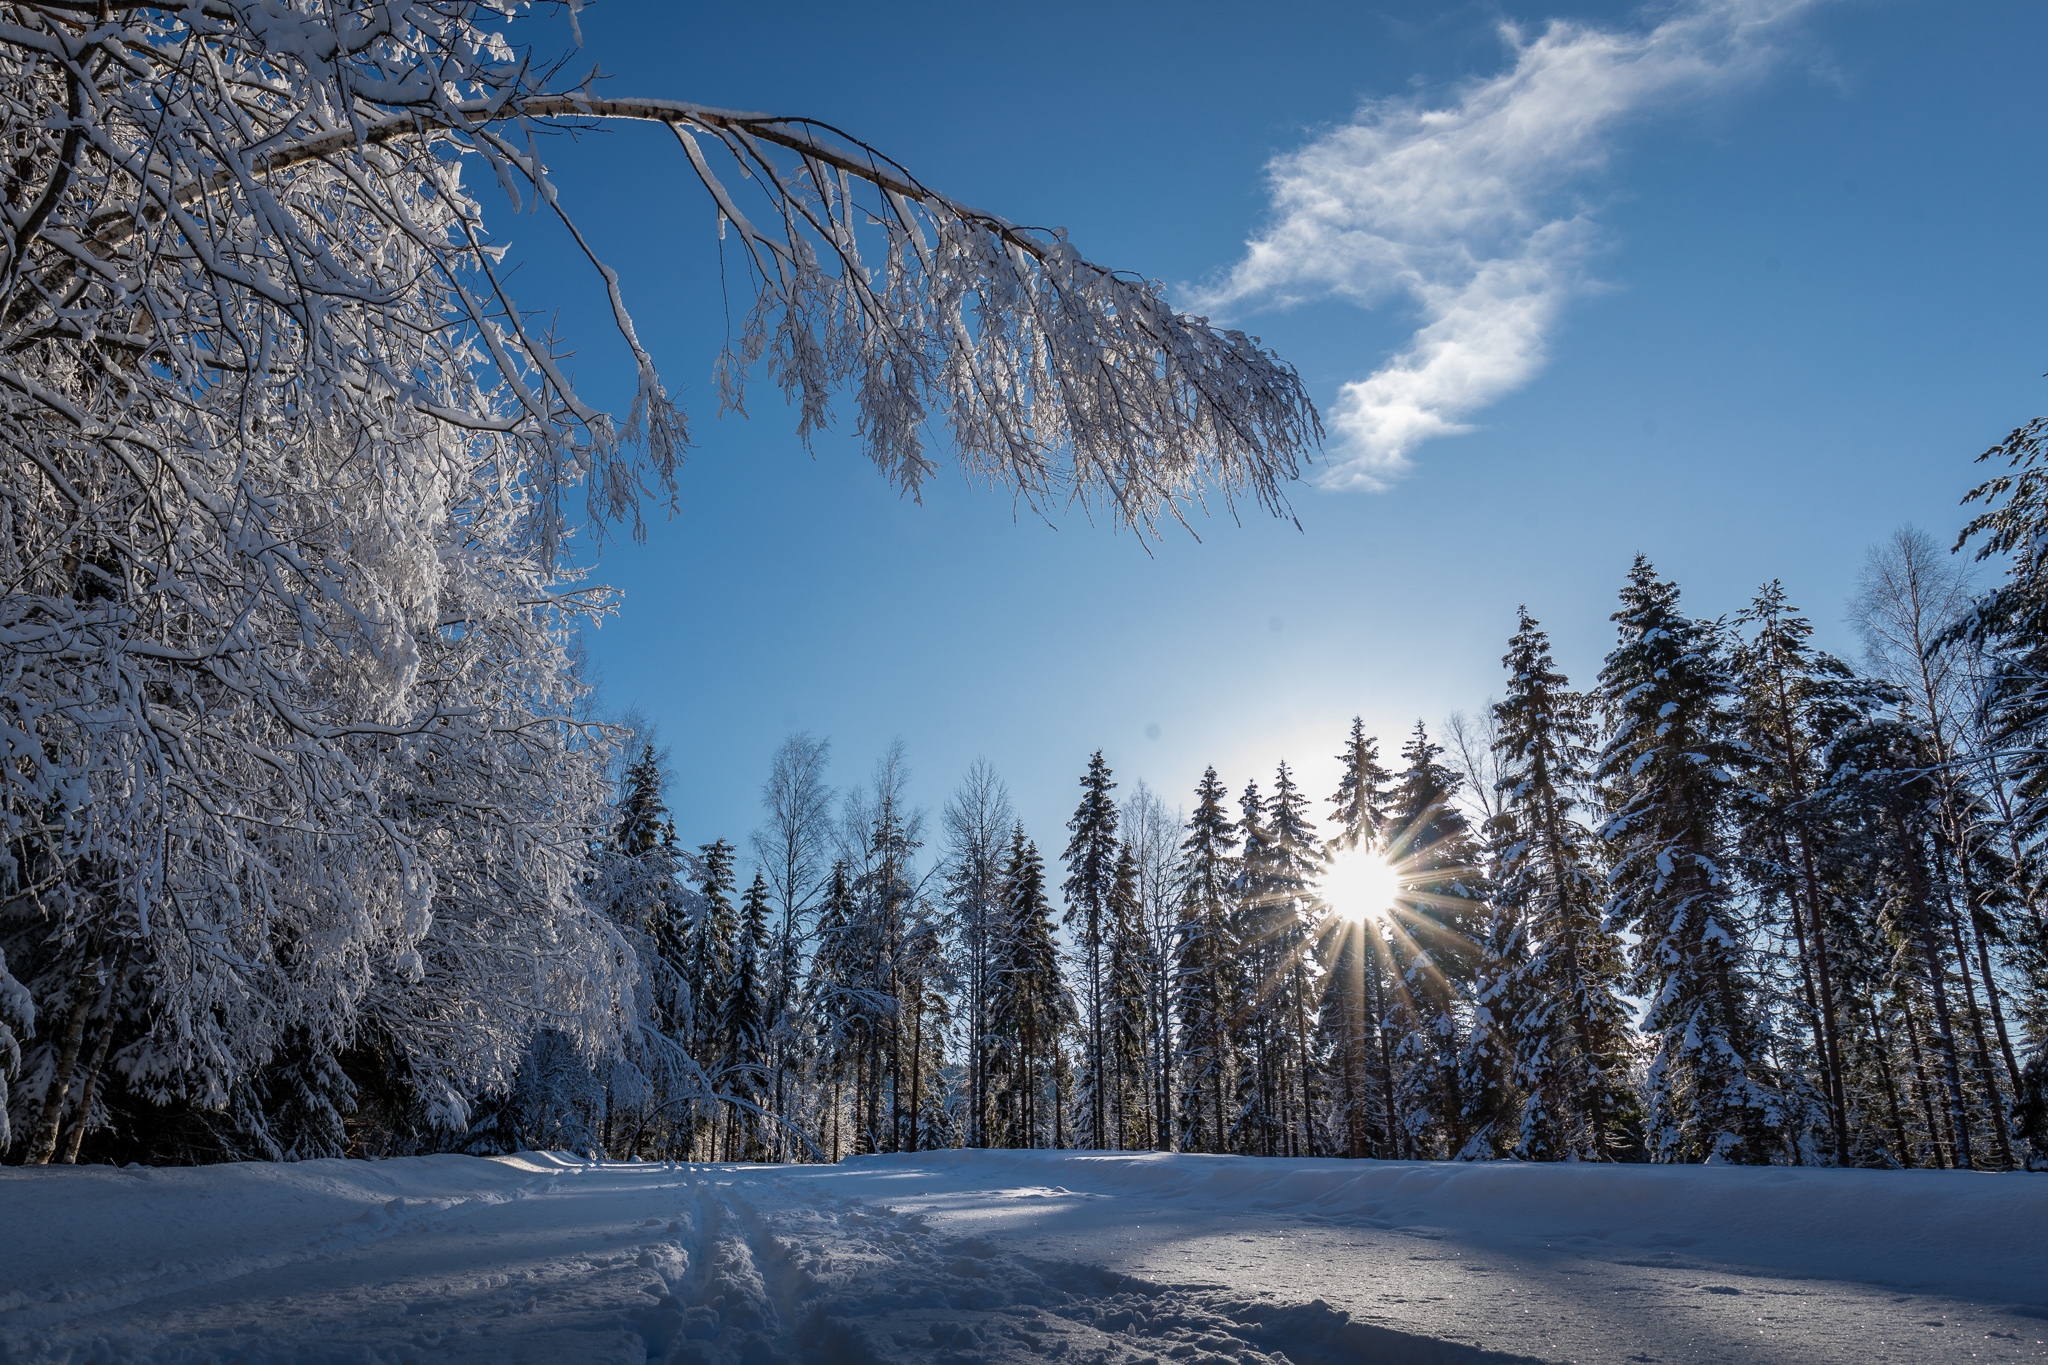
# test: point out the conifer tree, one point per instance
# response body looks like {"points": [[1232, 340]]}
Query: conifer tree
{"points": [[1668, 774], [1881, 790], [1091, 872], [1361, 806], [636, 880], [1792, 700], [1206, 993], [743, 1023], [711, 942], [1126, 1023], [1293, 861], [839, 1016], [1438, 921], [1258, 1126], [885, 903], [643, 814], [1559, 1002], [1357, 1004], [1029, 1006]]}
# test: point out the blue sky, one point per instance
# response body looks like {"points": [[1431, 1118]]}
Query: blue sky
{"points": [[1796, 289]]}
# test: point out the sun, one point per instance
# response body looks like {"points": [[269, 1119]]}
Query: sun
{"points": [[1361, 885]]}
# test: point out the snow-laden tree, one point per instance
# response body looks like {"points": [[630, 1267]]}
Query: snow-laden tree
{"points": [[1091, 860], [1668, 772], [1206, 993], [1355, 1008], [1558, 1003], [1030, 1006], [284, 684], [1437, 926]]}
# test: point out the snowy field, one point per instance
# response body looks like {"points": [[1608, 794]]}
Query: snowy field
{"points": [[1019, 1255]]}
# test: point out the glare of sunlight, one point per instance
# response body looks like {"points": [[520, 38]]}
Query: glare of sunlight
{"points": [[1361, 885]]}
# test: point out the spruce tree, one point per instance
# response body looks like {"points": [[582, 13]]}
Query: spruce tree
{"points": [[1356, 1005], [710, 948], [1882, 792], [1029, 1005], [643, 814], [1126, 1016], [1206, 987], [1360, 808], [1258, 1126], [2007, 631], [836, 1010], [1668, 776], [1091, 872], [1791, 701], [1438, 922], [1293, 862], [1560, 994], [742, 1023]]}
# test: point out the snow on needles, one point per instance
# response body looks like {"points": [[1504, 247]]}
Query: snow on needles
{"points": [[1477, 213]]}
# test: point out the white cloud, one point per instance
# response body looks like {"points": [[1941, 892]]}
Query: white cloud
{"points": [[1475, 213]]}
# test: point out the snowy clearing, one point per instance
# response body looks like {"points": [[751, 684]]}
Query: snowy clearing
{"points": [[1019, 1255]]}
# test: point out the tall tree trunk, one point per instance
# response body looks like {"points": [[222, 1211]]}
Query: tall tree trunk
{"points": [[1396, 1145], [916, 1070], [2012, 1066], [1824, 1008], [1301, 1058], [1983, 1048], [1095, 1107], [1923, 1089], [1891, 1089], [1944, 1037]]}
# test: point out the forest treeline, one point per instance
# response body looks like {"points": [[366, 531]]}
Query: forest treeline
{"points": [[1732, 900], [1735, 901], [311, 843]]}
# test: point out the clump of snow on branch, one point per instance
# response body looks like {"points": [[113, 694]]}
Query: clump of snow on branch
{"points": [[295, 752]]}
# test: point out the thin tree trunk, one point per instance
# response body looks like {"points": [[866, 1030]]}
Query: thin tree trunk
{"points": [[1993, 1098], [43, 1145], [1096, 1109], [1924, 1090], [2012, 1066], [110, 999], [1891, 1090], [1301, 1058], [916, 1071], [1944, 1037], [1395, 1145], [1825, 1028]]}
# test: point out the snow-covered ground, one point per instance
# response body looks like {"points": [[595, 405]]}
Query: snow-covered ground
{"points": [[1019, 1255]]}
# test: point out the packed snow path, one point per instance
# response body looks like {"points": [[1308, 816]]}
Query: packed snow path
{"points": [[1006, 1256]]}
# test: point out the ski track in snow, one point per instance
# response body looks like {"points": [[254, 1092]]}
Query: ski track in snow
{"points": [[1017, 1256]]}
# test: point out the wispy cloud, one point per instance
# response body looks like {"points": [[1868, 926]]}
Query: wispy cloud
{"points": [[1477, 212]]}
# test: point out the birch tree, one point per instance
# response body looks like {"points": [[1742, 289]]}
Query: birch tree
{"points": [[284, 639]]}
